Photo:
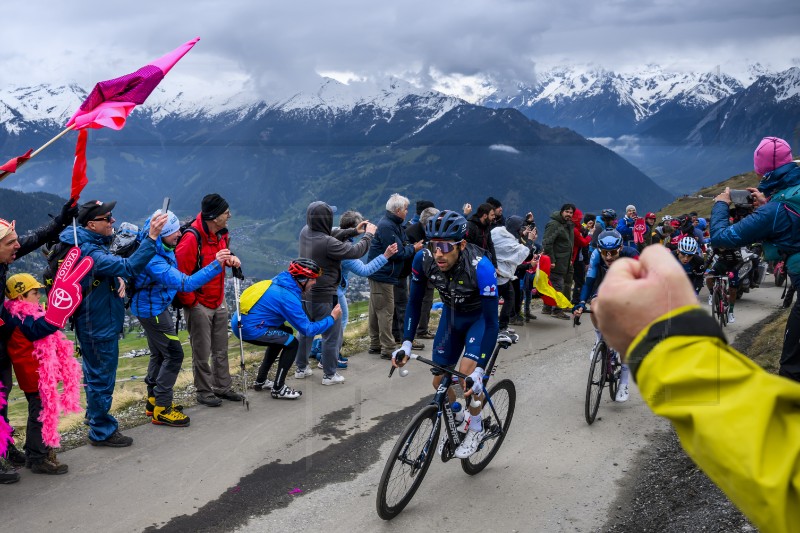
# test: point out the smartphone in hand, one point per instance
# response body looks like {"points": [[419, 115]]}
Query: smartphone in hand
{"points": [[165, 207]]}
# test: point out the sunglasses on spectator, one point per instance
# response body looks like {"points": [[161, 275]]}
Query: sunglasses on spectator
{"points": [[106, 218], [443, 246], [610, 253]]}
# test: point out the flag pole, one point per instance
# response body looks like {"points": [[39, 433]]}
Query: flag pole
{"points": [[4, 175]]}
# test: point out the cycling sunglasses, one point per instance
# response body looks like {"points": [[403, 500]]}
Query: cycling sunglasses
{"points": [[443, 246], [610, 253]]}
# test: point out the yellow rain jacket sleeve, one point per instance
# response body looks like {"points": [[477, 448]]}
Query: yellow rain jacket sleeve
{"points": [[740, 424]]}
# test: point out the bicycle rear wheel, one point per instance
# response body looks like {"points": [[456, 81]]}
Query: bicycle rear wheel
{"points": [[408, 463], [504, 397], [597, 380]]}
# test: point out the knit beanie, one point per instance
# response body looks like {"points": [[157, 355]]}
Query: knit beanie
{"points": [[770, 154], [422, 205], [213, 206]]}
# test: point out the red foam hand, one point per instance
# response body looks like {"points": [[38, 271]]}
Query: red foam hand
{"points": [[66, 294], [639, 227]]}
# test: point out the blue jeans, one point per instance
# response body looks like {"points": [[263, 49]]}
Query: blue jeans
{"points": [[100, 359]]}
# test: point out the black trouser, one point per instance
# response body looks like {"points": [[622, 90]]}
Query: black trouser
{"points": [[279, 341], [400, 303], [166, 357], [578, 277], [506, 291], [35, 449], [790, 356]]}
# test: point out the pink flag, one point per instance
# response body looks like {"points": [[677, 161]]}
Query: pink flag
{"points": [[11, 165], [111, 101]]}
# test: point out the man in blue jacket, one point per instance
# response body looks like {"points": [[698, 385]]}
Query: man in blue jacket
{"points": [[263, 324], [381, 283], [775, 223], [99, 319], [154, 290]]}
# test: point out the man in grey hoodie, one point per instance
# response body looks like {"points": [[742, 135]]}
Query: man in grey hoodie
{"points": [[318, 242]]}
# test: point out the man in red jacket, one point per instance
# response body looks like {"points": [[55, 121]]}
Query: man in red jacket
{"points": [[206, 313]]}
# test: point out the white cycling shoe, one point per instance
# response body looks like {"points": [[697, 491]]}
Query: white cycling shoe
{"points": [[469, 445], [622, 394], [731, 318]]}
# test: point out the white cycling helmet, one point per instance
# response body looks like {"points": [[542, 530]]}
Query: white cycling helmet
{"points": [[666, 218], [687, 246]]}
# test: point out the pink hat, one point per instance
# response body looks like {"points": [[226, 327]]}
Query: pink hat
{"points": [[771, 153]]}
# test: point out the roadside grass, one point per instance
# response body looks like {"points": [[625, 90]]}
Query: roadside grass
{"points": [[765, 346]]}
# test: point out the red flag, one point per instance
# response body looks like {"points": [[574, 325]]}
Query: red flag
{"points": [[79, 179], [111, 101], [12, 164]]}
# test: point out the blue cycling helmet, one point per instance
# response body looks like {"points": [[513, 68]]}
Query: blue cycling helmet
{"points": [[446, 226], [687, 246], [608, 213], [702, 224], [609, 239]]}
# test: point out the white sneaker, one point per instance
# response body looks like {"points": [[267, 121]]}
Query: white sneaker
{"points": [[622, 394], [319, 365], [286, 394], [710, 299], [469, 445], [302, 374], [267, 385], [335, 379], [731, 318]]}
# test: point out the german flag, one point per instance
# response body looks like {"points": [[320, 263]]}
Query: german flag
{"points": [[541, 282]]}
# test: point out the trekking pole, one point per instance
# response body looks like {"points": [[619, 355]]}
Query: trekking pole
{"points": [[245, 401]]}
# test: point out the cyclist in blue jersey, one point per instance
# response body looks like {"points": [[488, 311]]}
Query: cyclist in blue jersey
{"points": [[467, 283], [688, 255], [726, 262], [609, 249]]}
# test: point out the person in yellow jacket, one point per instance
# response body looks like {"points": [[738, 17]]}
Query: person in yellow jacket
{"points": [[740, 424]]}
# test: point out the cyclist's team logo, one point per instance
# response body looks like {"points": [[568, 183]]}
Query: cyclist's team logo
{"points": [[490, 290]]}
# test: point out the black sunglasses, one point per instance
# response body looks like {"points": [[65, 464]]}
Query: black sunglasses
{"points": [[106, 218]]}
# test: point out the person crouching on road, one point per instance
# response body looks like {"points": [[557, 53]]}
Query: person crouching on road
{"points": [[154, 290], [263, 324], [41, 358]]}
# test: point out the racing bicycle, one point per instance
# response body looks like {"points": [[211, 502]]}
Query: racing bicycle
{"points": [[414, 450], [605, 369], [719, 299]]}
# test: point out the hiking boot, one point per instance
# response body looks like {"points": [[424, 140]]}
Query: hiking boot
{"points": [[547, 311], [426, 335], [150, 406], [374, 351], [469, 445], [386, 356], [167, 416], [529, 317], [336, 379], [561, 314], [264, 385], [286, 393], [229, 395], [116, 440], [7, 475], [14, 456], [516, 321], [416, 345], [49, 465], [210, 401], [304, 373]]}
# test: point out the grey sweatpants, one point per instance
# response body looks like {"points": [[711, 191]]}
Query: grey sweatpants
{"points": [[318, 308], [166, 357]]}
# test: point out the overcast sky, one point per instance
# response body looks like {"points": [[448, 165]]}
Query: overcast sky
{"points": [[279, 48]]}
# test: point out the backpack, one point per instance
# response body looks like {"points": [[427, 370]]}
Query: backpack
{"points": [[790, 197], [252, 294]]}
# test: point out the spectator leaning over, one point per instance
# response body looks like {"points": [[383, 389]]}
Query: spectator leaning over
{"points": [[510, 254], [416, 233], [738, 423], [774, 223], [558, 239], [625, 226], [382, 282], [12, 247], [353, 220], [155, 289], [263, 324], [318, 244], [206, 312], [99, 318], [479, 229], [499, 220]]}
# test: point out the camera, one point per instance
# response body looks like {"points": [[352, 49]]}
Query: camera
{"points": [[741, 198]]}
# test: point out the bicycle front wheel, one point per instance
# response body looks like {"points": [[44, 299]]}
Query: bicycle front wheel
{"points": [[597, 380], [408, 463], [504, 397], [614, 371]]}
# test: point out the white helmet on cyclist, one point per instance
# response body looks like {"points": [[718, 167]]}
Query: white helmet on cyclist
{"points": [[666, 218], [687, 246]]}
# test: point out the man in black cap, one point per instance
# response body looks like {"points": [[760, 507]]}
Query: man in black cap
{"points": [[100, 316], [499, 219], [206, 314], [13, 247]]}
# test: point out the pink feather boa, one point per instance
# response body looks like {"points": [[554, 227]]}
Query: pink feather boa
{"points": [[5, 429], [55, 355]]}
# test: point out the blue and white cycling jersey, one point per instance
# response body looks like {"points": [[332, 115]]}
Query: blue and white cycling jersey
{"points": [[597, 271]]}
